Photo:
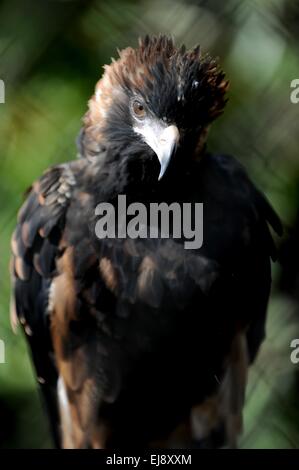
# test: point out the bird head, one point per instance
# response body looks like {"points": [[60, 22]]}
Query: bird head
{"points": [[156, 99]]}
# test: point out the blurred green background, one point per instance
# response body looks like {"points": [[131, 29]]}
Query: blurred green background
{"points": [[51, 55]]}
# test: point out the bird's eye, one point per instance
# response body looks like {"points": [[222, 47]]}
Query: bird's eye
{"points": [[139, 109]]}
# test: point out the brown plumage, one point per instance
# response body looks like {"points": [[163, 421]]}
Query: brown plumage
{"points": [[140, 341]]}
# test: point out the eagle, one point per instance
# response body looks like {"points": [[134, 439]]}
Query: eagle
{"points": [[138, 340]]}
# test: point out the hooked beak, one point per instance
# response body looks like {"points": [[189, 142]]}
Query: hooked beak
{"points": [[163, 140], [168, 142]]}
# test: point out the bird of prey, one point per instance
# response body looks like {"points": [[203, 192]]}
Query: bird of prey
{"points": [[138, 340]]}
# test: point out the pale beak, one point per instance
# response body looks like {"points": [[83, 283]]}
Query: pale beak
{"points": [[167, 144], [163, 140]]}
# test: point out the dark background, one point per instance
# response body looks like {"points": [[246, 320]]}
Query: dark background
{"points": [[51, 55]]}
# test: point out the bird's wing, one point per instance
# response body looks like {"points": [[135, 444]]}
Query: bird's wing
{"points": [[245, 217], [35, 248]]}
